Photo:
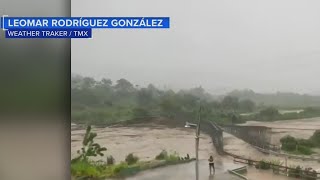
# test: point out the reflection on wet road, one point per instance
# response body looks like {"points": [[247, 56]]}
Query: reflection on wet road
{"points": [[187, 172]]}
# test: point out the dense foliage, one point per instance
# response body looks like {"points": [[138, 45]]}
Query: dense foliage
{"points": [[102, 102], [280, 99], [300, 146], [272, 114]]}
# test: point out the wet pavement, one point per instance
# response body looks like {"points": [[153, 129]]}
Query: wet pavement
{"points": [[187, 172]]}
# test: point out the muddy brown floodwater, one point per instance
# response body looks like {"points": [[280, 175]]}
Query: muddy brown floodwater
{"points": [[146, 142], [300, 128], [239, 147]]}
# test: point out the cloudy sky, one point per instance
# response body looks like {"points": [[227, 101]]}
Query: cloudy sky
{"points": [[266, 46]]}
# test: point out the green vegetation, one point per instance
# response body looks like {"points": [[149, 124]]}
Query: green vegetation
{"points": [[110, 160], [300, 146], [275, 165], [89, 149], [281, 100], [102, 102], [293, 171], [273, 114], [131, 159], [272, 164], [263, 164], [83, 167], [163, 155], [315, 138], [299, 172], [100, 170]]}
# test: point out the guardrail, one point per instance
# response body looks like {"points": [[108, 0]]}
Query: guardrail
{"points": [[216, 134], [286, 155], [279, 169], [236, 172]]}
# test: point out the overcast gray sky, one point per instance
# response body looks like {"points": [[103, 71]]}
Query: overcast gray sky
{"points": [[264, 45]]}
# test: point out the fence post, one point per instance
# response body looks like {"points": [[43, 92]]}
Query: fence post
{"points": [[286, 160]]}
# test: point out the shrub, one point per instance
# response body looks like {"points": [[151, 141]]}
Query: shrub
{"points": [[131, 159], [305, 142], [119, 167], [163, 155], [110, 160], [275, 165], [304, 150], [269, 113], [188, 157], [89, 148], [315, 138], [140, 112], [173, 157], [263, 165], [289, 143], [296, 172], [85, 169]]}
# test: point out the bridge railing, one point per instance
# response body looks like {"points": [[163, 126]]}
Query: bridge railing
{"points": [[278, 169], [216, 134]]}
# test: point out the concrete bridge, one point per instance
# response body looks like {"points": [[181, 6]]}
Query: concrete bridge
{"points": [[259, 136]]}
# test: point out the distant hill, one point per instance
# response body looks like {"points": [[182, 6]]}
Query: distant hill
{"points": [[280, 99]]}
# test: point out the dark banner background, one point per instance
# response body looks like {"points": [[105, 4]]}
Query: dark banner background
{"points": [[35, 98]]}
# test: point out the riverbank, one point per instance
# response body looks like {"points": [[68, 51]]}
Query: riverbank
{"points": [[100, 170], [145, 141]]}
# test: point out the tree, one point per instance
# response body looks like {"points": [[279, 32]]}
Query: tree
{"points": [[169, 105], [140, 112], [246, 105], [230, 102], [88, 82], [124, 86], [288, 143], [269, 113], [84, 97], [144, 97], [89, 147], [315, 138], [106, 82]]}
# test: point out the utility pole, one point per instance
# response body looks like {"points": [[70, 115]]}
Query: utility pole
{"points": [[197, 144], [188, 125]]}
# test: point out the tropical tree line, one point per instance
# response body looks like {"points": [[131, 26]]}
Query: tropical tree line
{"points": [[104, 101]]}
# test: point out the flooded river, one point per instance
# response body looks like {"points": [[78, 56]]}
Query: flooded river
{"points": [[148, 140]]}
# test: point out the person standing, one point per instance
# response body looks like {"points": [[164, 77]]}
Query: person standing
{"points": [[211, 165]]}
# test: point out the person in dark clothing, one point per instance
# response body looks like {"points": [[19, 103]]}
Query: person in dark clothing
{"points": [[211, 165]]}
